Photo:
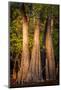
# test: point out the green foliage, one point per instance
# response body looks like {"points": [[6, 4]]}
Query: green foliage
{"points": [[16, 35]]}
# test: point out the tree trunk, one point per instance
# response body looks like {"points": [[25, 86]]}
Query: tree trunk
{"points": [[36, 73], [50, 63], [47, 70], [25, 53]]}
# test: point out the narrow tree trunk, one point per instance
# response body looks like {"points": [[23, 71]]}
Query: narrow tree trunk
{"points": [[50, 65], [52, 25], [35, 58], [47, 70]]}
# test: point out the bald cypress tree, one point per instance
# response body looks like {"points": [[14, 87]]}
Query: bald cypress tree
{"points": [[22, 75], [35, 64], [50, 61]]}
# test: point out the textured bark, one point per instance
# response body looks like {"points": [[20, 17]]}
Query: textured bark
{"points": [[22, 74], [35, 65], [47, 70], [50, 63]]}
